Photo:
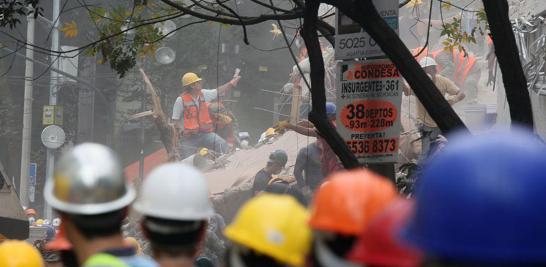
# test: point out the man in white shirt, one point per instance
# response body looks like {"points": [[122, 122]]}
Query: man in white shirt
{"points": [[191, 116]]}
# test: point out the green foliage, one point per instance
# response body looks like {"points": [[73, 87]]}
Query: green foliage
{"points": [[127, 33], [456, 36], [11, 11]]}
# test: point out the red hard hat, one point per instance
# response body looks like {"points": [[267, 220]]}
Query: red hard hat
{"points": [[348, 201], [380, 245], [60, 243]]}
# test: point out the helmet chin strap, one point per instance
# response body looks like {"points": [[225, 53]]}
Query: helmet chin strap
{"points": [[328, 259]]}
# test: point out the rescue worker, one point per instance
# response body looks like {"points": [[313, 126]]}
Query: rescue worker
{"points": [[92, 197], [329, 161], [341, 210], [380, 245], [427, 127], [175, 206], [307, 170], [31, 215], [461, 67], [15, 253], [480, 202], [269, 230], [223, 122], [191, 115], [275, 164]]}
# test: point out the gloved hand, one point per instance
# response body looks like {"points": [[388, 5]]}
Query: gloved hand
{"points": [[224, 119], [281, 125], [235, 81]]}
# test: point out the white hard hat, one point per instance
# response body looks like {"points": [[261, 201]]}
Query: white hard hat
{"points": [[427, 62], [175, 191], [88, 180]]}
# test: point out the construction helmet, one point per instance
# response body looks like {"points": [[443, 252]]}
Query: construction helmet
{"points": [[380, 245], [14, 253], [88, 180], [349, 200], [330, 109], [275, 226], [279, 156], [480, 200], [39, 222], [190, 78], [30, 212], [60, 243], [427, 62], [185, 198]]}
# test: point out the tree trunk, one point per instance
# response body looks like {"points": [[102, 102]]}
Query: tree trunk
{"points": [[318, 113], [167, 132], [506, 51], [364, 12]]}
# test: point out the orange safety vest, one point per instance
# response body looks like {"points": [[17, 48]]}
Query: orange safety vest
{"points": [[463, 66], [425, 53], [196, 119]]}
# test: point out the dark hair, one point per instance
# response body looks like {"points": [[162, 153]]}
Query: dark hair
{"points": [[98, 225], [172, 237], [251, 258], [282, 188]]}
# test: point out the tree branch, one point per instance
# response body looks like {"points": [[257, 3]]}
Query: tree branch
{"points": [[364, 12], [506, 51], [167, 132], [318, 113]]}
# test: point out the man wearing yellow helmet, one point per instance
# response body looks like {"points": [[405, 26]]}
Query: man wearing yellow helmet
{"points": [[269, 230], [191, 115]]}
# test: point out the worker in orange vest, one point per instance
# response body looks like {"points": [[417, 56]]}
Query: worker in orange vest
{"points": [[459, 66], [192, 118]]}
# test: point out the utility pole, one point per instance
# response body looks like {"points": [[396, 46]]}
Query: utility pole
{"points": [[53, 88], [27, 114]]}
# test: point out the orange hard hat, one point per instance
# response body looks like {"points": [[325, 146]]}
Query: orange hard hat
{"points": [[349, 200], [380, 245], [30, 212], [60, 242]]}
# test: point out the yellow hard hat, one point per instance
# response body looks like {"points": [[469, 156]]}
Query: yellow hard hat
{"points": [[39, 222], [190, 78], [269, 132], [414, 3], [273, 225], [14, 253]]}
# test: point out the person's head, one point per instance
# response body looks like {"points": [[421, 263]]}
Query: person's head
{"points": [[31, 213], [90, 193], [283, 188], [269, 230], [342, 209], [175, 216], [331, 111], [380, 244], [192, 82], [14, 253], [429, 65], [476, 202], [277, 161]]}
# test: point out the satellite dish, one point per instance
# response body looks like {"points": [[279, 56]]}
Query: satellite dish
{"points": [[166, 28], [165, 55], [53, 136]]}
